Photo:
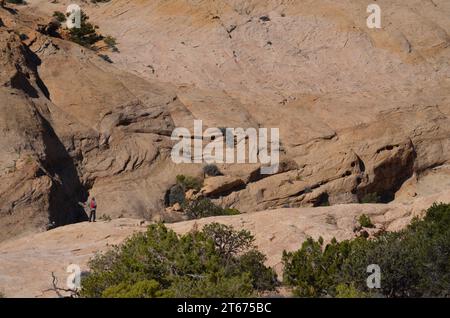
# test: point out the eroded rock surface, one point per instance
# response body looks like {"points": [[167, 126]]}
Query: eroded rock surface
{"points": [[360, 111]]}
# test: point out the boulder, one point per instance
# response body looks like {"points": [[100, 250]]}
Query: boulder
{"points": [[221, 185]]}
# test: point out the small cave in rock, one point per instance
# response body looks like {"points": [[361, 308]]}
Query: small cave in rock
{"points": [[322, 200], [389, 176]]}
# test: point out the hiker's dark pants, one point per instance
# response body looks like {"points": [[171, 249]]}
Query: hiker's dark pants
{"points": [[92, 216]]}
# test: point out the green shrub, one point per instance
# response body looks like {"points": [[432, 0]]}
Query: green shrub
{"points": [[231, 211], [200, 208], [141, 289], [204, 207], [189, 182], [60, 17], [365, 221], [86, 35], [312, 271], [348, 291], [414, 262], [263, 278], [371, 198], [159, 263], [211, 170], [228, 242], [177, 193]]}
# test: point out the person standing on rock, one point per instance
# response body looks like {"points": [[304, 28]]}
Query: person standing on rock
{"points": [[92, 209]]}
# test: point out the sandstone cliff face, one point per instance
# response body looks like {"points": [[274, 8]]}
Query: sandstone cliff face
{"points": [[38, 177], [360, 111]]}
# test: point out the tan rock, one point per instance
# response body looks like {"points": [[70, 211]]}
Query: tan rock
{"points": [[220, 185], [177, 207], [156, 218], [191, 194]]}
